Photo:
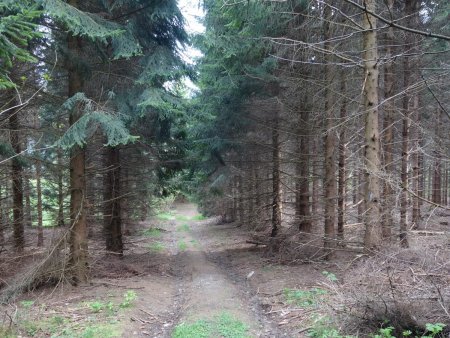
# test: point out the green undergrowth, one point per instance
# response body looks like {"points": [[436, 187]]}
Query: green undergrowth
{"points": [[182, 245], [156, 247], [152, 232], [89, 319], [223, 325], [325, 327], [184, 227], [166, 216], [195, 243], [304, 298], [198, 217]]}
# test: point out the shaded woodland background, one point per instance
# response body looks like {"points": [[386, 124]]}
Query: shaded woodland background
{"points": [[319, 126]]}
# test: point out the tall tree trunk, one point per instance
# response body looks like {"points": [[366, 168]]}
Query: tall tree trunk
{"points": [[28, 219], [415, 219], [408, 107], [60, 171], [430, 181], [315, 178], [330, 188], [388, 126], [404, 170], [241, 210], [79, 232], [437, 172], [40, 241], [276, 179], [17, 182], [2, 219], [303, 211], [251, 216], [372, 222], [234, 194], [355, 185], [341, 163], [112, 217]]}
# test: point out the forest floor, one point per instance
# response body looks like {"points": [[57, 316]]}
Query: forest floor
{"points": [[182, 276]]}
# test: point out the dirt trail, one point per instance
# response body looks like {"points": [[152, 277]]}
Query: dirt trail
{"points": [[203, 290]]}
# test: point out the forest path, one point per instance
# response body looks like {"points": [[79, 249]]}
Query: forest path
{"points": [[206, 292], [201, 295]]}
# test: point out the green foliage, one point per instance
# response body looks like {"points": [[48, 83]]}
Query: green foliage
{"points": [[224, 325], [152, 232], [330, 276], [433, 329], [198, 217], [304, 298], [93, 117], [17, 28], [101, 331], [7, 332], [183, 227], [199, 329], [324, 327], [182, 246], [166, 216], [385, 332], [230, 327], [128, 298], [81, 23], [27, 303], [156, 247]]}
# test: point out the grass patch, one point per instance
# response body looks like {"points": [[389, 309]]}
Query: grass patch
{"points": [[156, 247], [184, 227], [166, 216], [199, 329], [198, 217], [107, 330], [98, 321], [182, 218], [182, 245], [223, 325], [7, 333], [152, 232], [304, 298]]}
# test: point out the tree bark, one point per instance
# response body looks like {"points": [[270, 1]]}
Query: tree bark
{"points": [[415, 219], [28, 219], [330, 188], [40, 240], [341, 162], [60, 170], [437, 175], [388, 126], [241, 210], [112, 216], [276, 183], [17, 182], [372, 222], [79, 231], [303, 211], [2, 219]]}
